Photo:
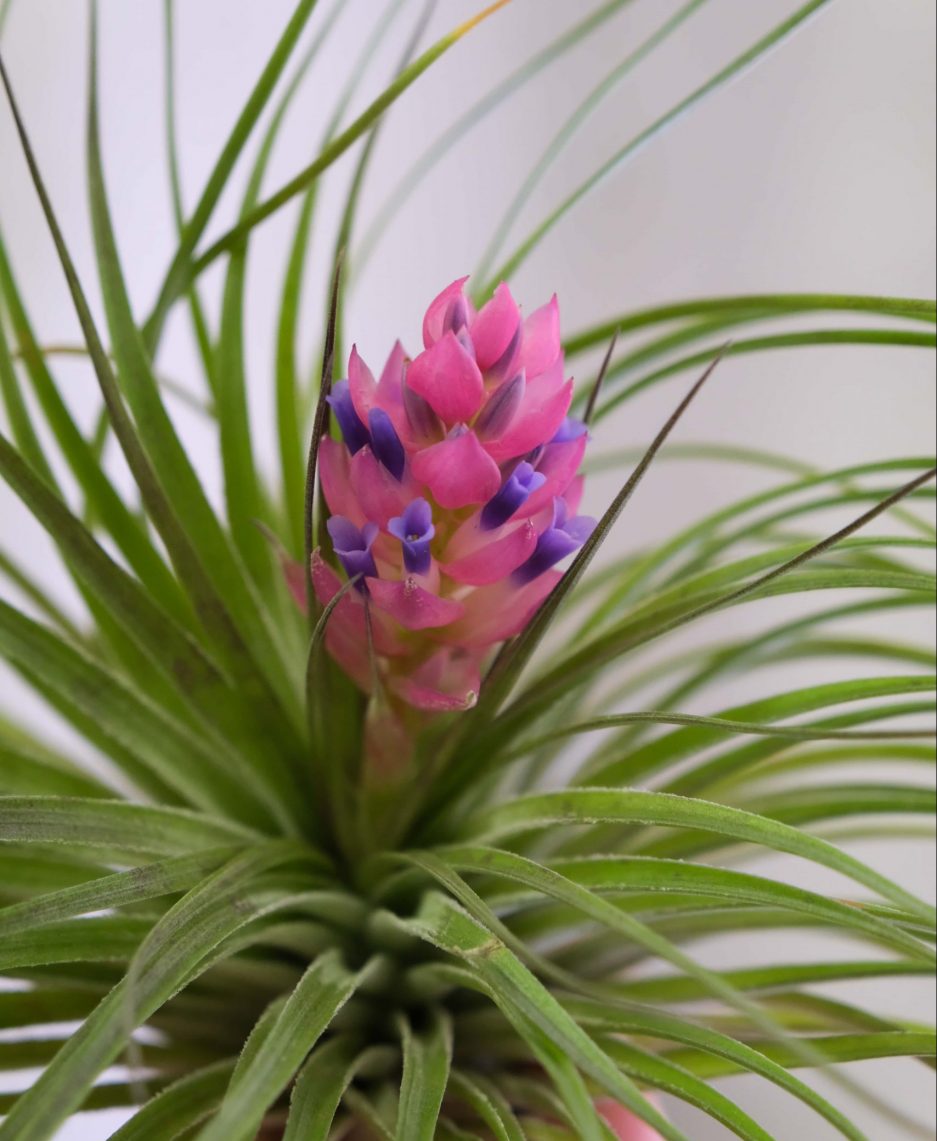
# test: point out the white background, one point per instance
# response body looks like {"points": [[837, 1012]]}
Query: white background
{"points": [[815, 172]]}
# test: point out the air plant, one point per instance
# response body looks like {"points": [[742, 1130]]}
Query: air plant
{"points": [[398, 827]]}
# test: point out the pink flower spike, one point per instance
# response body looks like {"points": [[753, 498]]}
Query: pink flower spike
{"points": [[495, 613], [346, 635], [378, 493], [559, 463], [543, 408], [542, 343], [412, 606], [624, 1124], [494, 328], [448, 380], [334, 463], [361, 384], [458, 471], [448, 682], [445, 312], [495, 561]]}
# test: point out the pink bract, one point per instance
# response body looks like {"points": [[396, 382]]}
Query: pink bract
{"points": [[454, 491]]}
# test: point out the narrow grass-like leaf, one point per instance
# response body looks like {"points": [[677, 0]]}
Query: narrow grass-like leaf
{"points": [[568, 131], [181, 660], [443, 924], [894, 338], [28, 769], [915, 309], [338, 147], [322, 1082], [427, 1057], [323, 990], [664, 1075], [196, 309], [614, 806], [175, 498], [150, 881], [175, 951], [839, 1049], [104, 940], [675, 747], [130, 537], [180, 1107], [490, 1105], [762, 586], [511, 662], [726, 75], [160, 746], [117, 825], [430, 158], [177, 279]]}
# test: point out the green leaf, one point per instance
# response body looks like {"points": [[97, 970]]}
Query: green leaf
{"points": [[102, 940], [455, 131], [616, 806], [118, 825], [643, 874], [518, 993], [149, 881], [150, 743], [567, 132], [29, 768], [85, 466], [895, 338], [196, 309], [289, 415], [207, 698], [838, 1049], [176, 281], [661, 1074], [322, 1082], [512, 660], [427, 1057], [174, 952], [726, 75], [787, 304], [179, 1107], [680, 988], [694, 740], [488, 1103], [175, 499], [338, 147], [321, 993]]}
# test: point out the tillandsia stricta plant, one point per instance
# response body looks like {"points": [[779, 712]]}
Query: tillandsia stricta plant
{"points": [[396, 824]]}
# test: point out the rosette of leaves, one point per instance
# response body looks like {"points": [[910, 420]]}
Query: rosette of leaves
{"points": [[227, 927]]}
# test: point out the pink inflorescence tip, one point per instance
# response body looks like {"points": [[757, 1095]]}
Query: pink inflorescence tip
{"points": [[453, 494]]}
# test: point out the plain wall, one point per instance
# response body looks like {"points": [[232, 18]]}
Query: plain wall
{"points": [[814, 172]]}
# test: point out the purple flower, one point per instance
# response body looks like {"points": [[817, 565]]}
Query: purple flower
{"points": [[415, 531], [386, 444], [353, 546], [354, 432], [514, 493], [558, 541]]}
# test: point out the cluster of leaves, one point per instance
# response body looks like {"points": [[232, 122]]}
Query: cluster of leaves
{"points": [[266, 943]]}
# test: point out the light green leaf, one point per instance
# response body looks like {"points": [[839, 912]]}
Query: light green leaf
{"points": [[322, 1082], [179, 1107], [517, 992], [116, 825], [150, 881], [321, 993], [427, 1057], [617, 806], [726, 75], [338, 147]]}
